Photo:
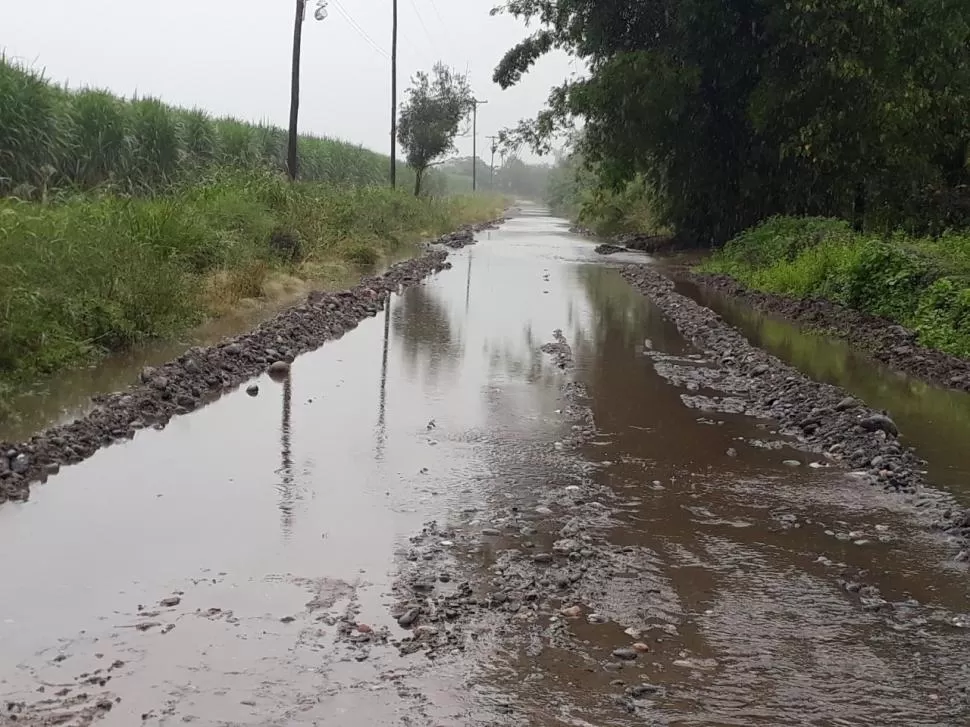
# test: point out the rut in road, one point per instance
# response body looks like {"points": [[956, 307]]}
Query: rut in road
{"points": [[433, 521]]}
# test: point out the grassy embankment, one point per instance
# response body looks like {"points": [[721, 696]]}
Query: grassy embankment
{"points": [[122, 221], [920, 283]]}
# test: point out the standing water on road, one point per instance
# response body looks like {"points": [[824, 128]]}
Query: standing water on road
{"points": [[420, 526]]}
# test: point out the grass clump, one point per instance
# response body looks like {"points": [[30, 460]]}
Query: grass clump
{"points": [[921, 283]]}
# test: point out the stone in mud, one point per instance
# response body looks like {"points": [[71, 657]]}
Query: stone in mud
{"points": [[571, 611], [408, 617], [170, 601], [792, 463], [542, 558], [732, 452], [846, 404], [566, 546], [490, 532], [279, 369], [639, 691], [641, 648], [625, 654], [20, 464], [879, 422], [253, 389]]}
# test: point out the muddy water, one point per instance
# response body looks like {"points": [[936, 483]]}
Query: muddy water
{"points": [[67, 395], [933, 419], [273, 518]]}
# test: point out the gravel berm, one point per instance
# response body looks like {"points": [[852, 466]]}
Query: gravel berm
{"points": [[823, 417], [203, 374]]}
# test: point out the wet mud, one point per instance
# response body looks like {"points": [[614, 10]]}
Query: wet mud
{"points": [[524, 493], [823, 417], [887, 342]]}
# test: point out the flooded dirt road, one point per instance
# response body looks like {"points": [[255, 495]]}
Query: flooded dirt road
{"points": [[439, 519]]}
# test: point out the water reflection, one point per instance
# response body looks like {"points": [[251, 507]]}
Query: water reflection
{"points": [[423, 325], [287, 484], [381, 429], [935, 420]]}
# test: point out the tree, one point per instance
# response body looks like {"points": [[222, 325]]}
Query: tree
{"points": [[430, 118], [734, 110]]}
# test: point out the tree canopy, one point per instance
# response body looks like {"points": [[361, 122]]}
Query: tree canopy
{"points": [[735, 110], [430, 117]]}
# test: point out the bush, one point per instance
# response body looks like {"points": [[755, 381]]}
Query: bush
{"points": [[921, 283]]}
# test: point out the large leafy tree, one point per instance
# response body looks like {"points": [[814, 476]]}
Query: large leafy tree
{"points": [[431, 116], [733, 110]]}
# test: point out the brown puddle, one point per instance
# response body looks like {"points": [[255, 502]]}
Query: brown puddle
{"points": [[933, 419], [274, 517], [67, 395]]}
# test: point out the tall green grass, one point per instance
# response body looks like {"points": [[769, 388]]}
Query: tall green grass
{"points": [[52, 138], [100, 272], [921, 283]]}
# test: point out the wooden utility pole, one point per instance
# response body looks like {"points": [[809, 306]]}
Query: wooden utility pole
{"points": [[393, 94], [475, 103], [491, 167], [295, 89]]}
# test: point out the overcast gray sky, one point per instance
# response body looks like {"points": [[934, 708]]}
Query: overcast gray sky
{"points": [[233, 57]]}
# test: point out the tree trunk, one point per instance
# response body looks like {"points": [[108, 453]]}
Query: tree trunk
{"points": [[859, 207], [295, 89], [418, 173]]}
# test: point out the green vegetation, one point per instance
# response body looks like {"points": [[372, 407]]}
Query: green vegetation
{"points": [[430, 116], [573, 192], [921, 283], [53, 139], [733, 111], [101, 272], [124, 220]]}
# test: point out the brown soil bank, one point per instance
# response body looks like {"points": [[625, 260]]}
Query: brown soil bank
{"points": [[884, 340], [820, 415], [203, 374]]}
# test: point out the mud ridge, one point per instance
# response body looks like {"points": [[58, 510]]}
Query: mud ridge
{"points": [[887, 342], [821, 416], [203, 374]]}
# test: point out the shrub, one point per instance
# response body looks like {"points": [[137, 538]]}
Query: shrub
{"points": [[922, 283]]}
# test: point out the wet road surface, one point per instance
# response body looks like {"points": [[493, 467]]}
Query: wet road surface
{"points": [[206, 573], [933, 419]]}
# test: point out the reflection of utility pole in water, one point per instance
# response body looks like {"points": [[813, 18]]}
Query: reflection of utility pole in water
{"points": [[382, 398], [468, 281], [286, 486]]}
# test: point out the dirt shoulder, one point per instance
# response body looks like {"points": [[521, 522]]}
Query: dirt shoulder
{"points": [[203, 374], [884, 340], [821, 416]]}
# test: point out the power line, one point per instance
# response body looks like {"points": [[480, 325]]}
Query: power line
{"points": [[434, 6], [423, 26], [360, 31]]}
